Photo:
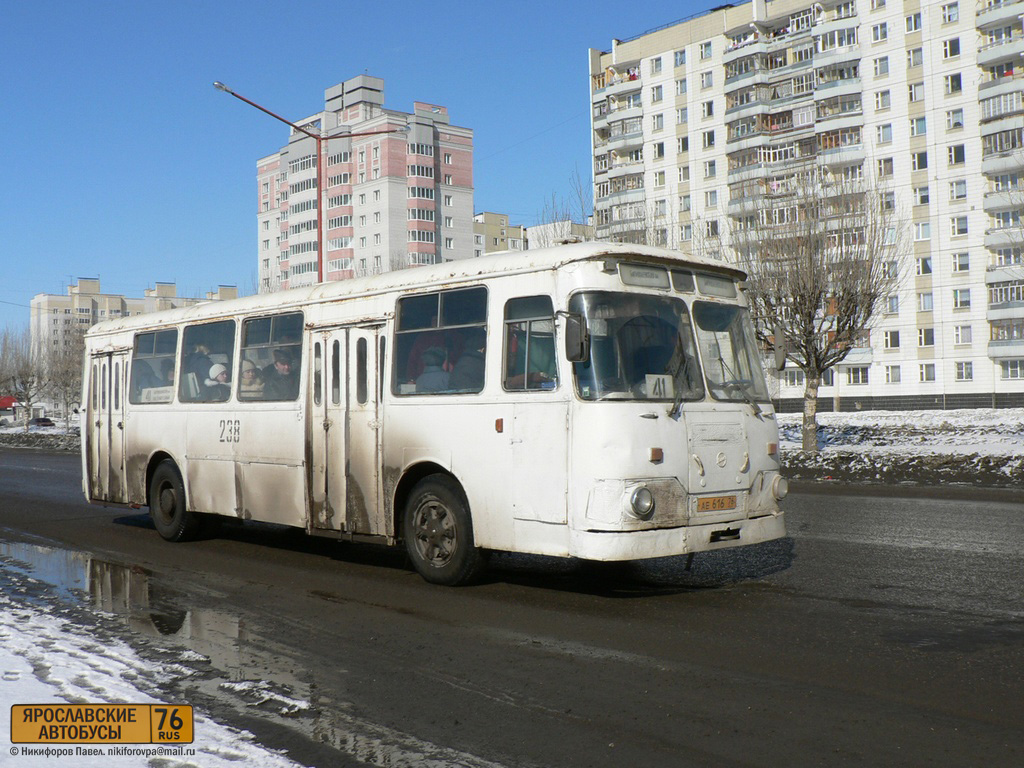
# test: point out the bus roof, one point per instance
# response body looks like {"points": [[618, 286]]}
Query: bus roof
{"points": [[516, 262]]}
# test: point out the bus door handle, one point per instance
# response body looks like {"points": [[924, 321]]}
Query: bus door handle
{"points": [[327, 424], [120, 425]]}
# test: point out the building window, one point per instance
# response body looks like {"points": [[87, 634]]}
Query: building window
{"points": [[880, 32], [881, 66], [657, 93], [892, 374], [927, 372], [954, 119], [884, 133], [956, 154], [656, 65], [918, 126], [965, 371], [951, 48], [885, 167], [892, 305], [961, 262], [918, 161], [857, 375], [961, 298], [708, 109], [953, 84], [914, 22], [926, 336], [962, 334], [709, 169], [706, 79], [958, 226], [922, 231], [680, 58], [892, 339], [915, 57], [915, 92], [1012, 369], [958, 189], [705, 50], [921, 195], [882, 100], [950, 13]]}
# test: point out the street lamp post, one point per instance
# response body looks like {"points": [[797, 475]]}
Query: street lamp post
{"points": [[321, 140]]}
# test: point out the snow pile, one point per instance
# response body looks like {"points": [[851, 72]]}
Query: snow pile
{"points": [[982, 447], [47, 656]]}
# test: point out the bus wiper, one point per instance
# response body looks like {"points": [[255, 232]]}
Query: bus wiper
{"points": [[740, 385], [677, 368]]}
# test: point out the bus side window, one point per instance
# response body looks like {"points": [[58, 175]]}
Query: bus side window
{"points": [[207, 354], [530, 344], [273, 346], [361, 389], [95, 393], [151, 374], [440, 342], [336, 372]]}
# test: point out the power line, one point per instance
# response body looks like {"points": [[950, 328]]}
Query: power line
{"points": [[530, 138]]}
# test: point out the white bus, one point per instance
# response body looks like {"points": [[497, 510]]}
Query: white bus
{"points": [[595, 401]]}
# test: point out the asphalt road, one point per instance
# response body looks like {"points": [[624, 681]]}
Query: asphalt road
{"points": [[887, 630]]}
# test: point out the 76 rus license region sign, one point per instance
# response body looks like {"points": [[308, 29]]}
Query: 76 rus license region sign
{"points": [[101, 724]]}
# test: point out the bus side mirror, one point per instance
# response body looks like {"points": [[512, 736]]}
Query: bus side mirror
{"points": [[577, 341], [779, 344]]}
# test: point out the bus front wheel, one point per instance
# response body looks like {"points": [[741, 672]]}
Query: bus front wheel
{"points": [[438, 533], [172, 519]]}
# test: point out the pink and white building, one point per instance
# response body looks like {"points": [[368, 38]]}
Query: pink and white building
{"points": [[391, 200]]}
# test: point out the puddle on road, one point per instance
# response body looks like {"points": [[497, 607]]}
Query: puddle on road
{"points": [[227, 661]]}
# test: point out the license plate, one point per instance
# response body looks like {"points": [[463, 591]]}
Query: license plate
{"points": [[715, 503]]}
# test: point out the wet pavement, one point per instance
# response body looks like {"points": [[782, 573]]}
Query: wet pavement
{"points": [[877, 615]]}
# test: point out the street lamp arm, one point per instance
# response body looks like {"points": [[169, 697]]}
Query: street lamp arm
{"points": [[221, 87]]}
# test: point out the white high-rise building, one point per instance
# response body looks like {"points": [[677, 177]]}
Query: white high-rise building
{"points": [[694, 122], [392, 200]]}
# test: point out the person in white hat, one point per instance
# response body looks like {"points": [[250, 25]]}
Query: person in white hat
{"points": [[251, 386], [218, 386]]}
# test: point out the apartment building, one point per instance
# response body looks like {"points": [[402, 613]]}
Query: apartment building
{"points": [[697, 123], [492, 232], [391, 199], [58, 319]]}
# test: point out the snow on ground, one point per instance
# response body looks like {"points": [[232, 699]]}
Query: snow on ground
{"points": [[987, 431], [978, 446], [47, 657]]}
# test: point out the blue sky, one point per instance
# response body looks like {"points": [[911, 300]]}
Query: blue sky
{"points": [[123, 162]]}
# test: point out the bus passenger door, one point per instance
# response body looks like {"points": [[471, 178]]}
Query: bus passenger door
{"points": [[327, 430], [346, 431], [108, 375], [364, 512]]}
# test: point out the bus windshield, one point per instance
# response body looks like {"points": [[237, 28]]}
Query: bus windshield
{"points": [[641, 348], [727, 346]]}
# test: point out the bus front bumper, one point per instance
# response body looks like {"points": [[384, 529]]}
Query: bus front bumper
{"points": [[641, 545]]}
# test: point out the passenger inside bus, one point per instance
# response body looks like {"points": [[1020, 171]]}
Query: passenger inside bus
{"points": [[281, 379], [218, 385], [468, 372], [434, 377], [251, 385]]}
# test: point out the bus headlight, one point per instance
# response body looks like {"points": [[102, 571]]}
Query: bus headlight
{"points": [[641, 503], [780, 487]]}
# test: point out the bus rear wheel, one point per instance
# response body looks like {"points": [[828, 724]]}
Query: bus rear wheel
{"points": [[172, 519], [438, 533]]}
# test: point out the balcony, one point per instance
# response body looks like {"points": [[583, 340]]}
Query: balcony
{"points": [[617, 170], [999, 85], [1002, 162], [999, 13], [1003, 237], [1003, 350], [1008, 49], [1004, 273], [1003, 199]]}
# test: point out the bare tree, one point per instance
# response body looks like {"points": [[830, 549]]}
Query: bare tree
{"points": [[64, 366], [558, 215], [821, 255], [22, 370]]}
